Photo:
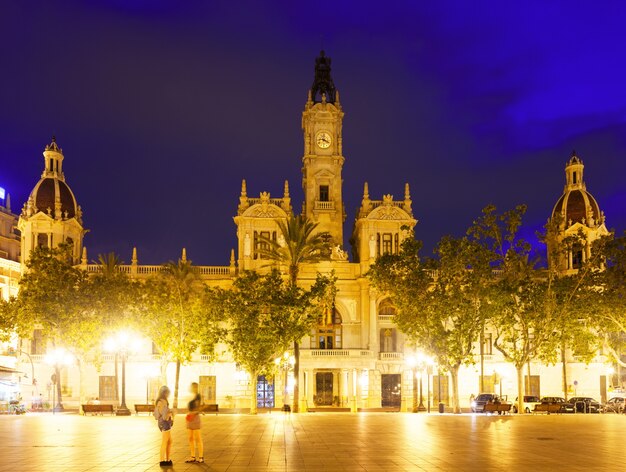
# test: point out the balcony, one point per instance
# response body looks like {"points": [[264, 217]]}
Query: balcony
{"points": [[391, 356], [324, 205], [319, 353], [385, 318]]}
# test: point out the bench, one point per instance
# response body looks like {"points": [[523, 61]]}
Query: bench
{"points": [[144, 408], [497, 408], [547, 408], [211, 408], [97, 409]]}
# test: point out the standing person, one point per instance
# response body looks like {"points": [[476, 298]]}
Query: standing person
{"points": [[194, 426], [164, 416]]}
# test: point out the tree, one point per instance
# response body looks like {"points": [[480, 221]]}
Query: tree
{"points": [[523, 306], [299, 243], [259, 313], [54, 297], [173, 312], [610, 285], [439, 301], [575, 297]]}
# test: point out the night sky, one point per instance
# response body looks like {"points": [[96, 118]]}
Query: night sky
{"points": [[162, 109]]}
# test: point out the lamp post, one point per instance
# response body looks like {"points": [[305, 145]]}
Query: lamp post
{"points": [[285, 363], [122, 344], [411, 361], [57, 359]]}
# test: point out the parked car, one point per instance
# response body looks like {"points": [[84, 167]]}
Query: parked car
{"points": [[585, 405], [614, 405], [478, 404], [529, 403], [566, 406]]}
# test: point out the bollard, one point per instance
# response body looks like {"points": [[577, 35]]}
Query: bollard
{"points": [[441, 407]]}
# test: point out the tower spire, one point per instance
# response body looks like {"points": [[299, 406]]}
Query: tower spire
{"points": [[323, 81]]}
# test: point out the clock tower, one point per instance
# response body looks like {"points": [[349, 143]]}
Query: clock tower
{"points": [[323, 160]]}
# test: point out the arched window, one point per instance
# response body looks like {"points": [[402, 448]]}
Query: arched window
{"points": [[386, 309], [328, 334]]}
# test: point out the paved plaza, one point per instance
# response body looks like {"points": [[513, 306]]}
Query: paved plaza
{"points": [[320, 442]]}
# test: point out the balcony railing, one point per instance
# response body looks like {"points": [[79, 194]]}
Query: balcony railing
{"points": [[324, 205], [155, 269], [391, 356], [385, 318], [335, 353]]}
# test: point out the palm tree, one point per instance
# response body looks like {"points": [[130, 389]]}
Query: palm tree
{"points": [[299, 244], [109, 264], [185, 286]]}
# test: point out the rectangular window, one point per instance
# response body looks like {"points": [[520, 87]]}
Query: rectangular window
{"points": [[38, 343], [107, 388], [208, 389], [388, 340], [440, 389], [387, 243], [324, 193]]}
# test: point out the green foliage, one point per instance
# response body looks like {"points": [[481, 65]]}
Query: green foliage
{"points": [[263, 315], [299, 243], [609, 314], [439, 301]]}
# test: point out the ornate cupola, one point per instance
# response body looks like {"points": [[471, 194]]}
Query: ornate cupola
{"points": [[576, 205], [51, 215], [576, 212]]}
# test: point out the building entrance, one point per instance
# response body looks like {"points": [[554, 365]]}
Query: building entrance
{"points": [[391, 390], [324, 388]]}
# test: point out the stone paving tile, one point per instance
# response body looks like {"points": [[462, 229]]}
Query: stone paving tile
{"points": [[320, 442]]}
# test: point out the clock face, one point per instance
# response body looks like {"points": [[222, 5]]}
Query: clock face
{"points": [[323, 139]]}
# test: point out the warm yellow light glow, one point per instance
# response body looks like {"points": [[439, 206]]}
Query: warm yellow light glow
{"points": [[59, 357], [411, 361]]}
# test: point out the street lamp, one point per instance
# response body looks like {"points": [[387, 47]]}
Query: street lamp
{"points": [[122, 344], [411, 361], [285, 363], [58, 358]]}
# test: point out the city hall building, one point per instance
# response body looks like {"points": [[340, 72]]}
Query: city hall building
{"points": [[356, 360]]}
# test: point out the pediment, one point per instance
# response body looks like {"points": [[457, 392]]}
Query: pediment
{"points": [[264, 210], [389, 212]]}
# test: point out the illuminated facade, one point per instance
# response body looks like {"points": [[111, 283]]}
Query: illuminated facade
{"points": [[356, 359]]}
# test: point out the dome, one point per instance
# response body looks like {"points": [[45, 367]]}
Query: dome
{"points": [[52, 195], [44, 197], [577, 205]]}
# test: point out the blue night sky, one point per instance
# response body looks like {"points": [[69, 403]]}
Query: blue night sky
{"points": [[162, 109]]}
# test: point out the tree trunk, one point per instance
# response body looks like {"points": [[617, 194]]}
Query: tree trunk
{"points": [[564, 371], [253, 386], [164, 364], [175, 402], [57, 372], [81, 381], [296, 374], [520, 388], [454, 374]]}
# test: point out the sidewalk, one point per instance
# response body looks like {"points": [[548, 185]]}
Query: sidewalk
{"points": [[320, 442]]}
